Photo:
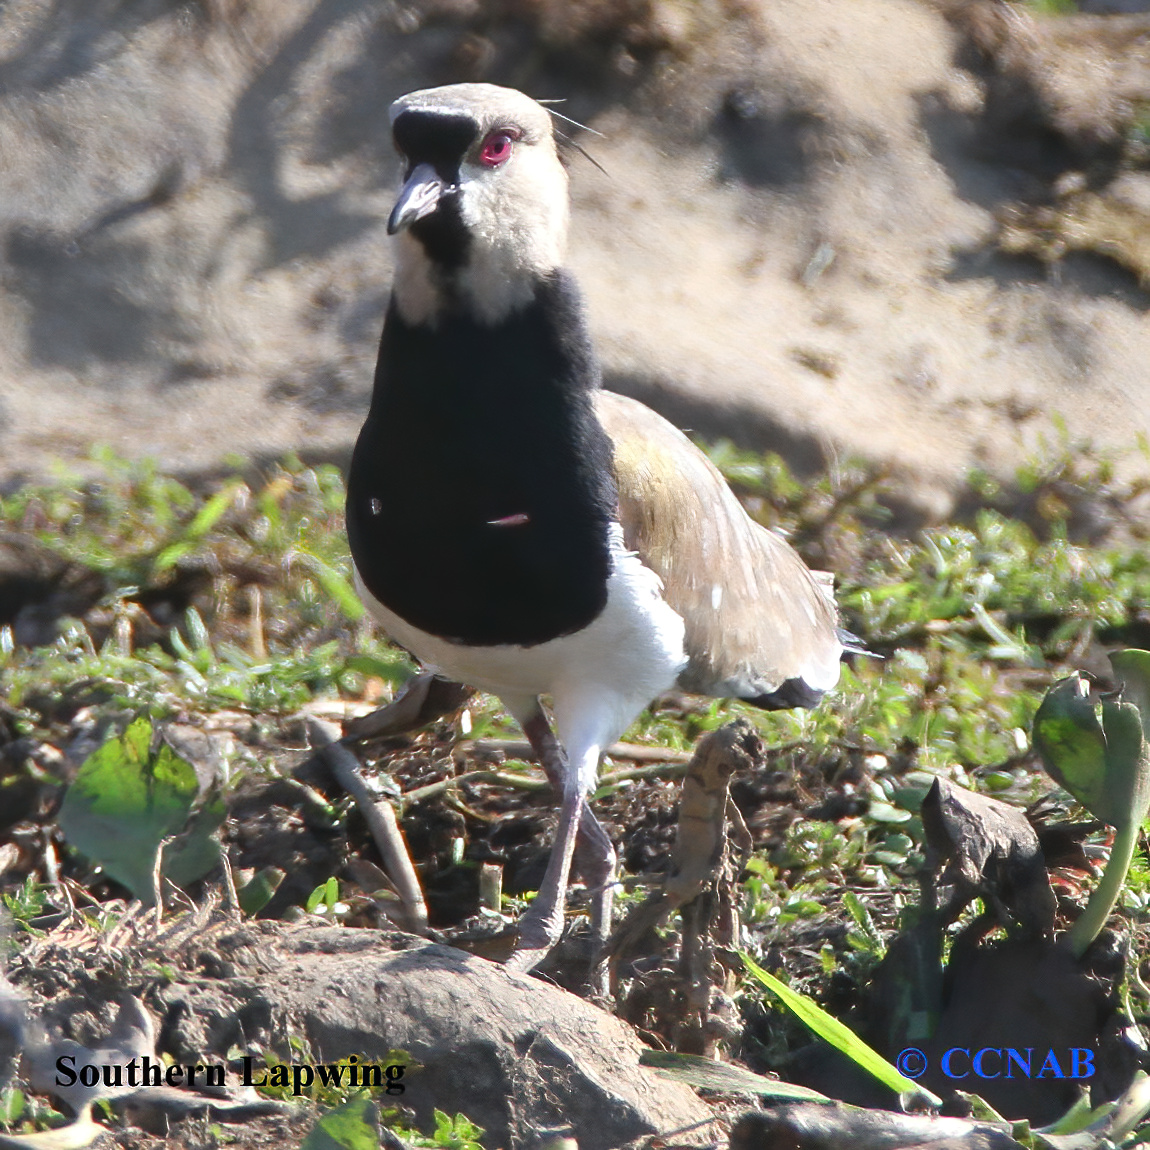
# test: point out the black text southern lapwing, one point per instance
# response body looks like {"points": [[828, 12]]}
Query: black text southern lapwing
{"points": [[522, 531]]}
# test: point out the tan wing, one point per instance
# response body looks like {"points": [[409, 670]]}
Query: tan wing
{"points": [[757, 619]]}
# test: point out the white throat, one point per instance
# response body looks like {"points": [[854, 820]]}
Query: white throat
{"points": [[491, 286], [517, 229]]}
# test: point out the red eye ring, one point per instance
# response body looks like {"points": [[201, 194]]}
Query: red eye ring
{"points": [[496, 146]]}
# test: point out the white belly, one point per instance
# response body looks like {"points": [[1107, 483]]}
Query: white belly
{"points": [[602, 676]]}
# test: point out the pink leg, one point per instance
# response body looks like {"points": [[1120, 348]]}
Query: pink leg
{"points": [[590, 844], [542, 924]]}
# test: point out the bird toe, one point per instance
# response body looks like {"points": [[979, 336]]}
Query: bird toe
{"points": [[538, 934]]}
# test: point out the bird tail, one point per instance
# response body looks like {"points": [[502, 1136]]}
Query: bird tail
{"points": [[853, 645]]}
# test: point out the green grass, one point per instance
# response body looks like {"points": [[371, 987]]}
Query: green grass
{"points": [[973, 618], [236, 594], [188, 599]]}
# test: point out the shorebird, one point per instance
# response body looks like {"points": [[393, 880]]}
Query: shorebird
{"points": [[519, 529]]}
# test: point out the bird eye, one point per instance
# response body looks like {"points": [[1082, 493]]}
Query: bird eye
{"points": [[496, 148]]}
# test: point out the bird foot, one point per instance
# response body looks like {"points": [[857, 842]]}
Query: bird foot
{"points": [[538, 936], [426, 698], [539, 931]]}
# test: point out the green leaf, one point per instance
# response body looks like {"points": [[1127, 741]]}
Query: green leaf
{"points": [[707, 1074], [1132, 669], [802, 907], [11, 1106], [326, 894], [882, 812], [336, 586], [1127, 765], [396, 669], [126, 799], [1071, 742], [196, 849], [256, 894], [862, 918], [1078, 1117], [352, 1126], [203, 521], [1106, 765], [840, 1036]]}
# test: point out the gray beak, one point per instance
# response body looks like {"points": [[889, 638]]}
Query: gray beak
{"points": [[419, 197]]}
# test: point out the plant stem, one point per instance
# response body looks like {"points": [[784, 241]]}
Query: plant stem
{"points": [[1091, 921]]}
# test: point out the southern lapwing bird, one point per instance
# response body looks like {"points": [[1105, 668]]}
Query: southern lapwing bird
{"points": [[521, 531]]}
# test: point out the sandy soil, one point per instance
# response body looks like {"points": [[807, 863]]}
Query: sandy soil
{"points": [[797, 241]]}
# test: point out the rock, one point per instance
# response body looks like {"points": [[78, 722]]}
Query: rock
{"points": [[821, 1126], [514, 1054]]}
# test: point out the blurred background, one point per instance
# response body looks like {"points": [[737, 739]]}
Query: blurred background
{"points": [[895, 252], [913, 232]]}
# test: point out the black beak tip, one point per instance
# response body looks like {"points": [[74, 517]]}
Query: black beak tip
{"points": [[419, 197]]}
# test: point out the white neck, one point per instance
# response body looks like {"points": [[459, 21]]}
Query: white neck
{"points": [[517, 233], [490, 286]]}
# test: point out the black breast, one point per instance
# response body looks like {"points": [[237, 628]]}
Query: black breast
{"points": [[480, 490]]}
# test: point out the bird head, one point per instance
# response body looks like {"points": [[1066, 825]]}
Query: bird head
{"points": [[482, 214]]}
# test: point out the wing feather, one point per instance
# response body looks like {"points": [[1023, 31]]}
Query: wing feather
{"points": [[760, 625]]}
